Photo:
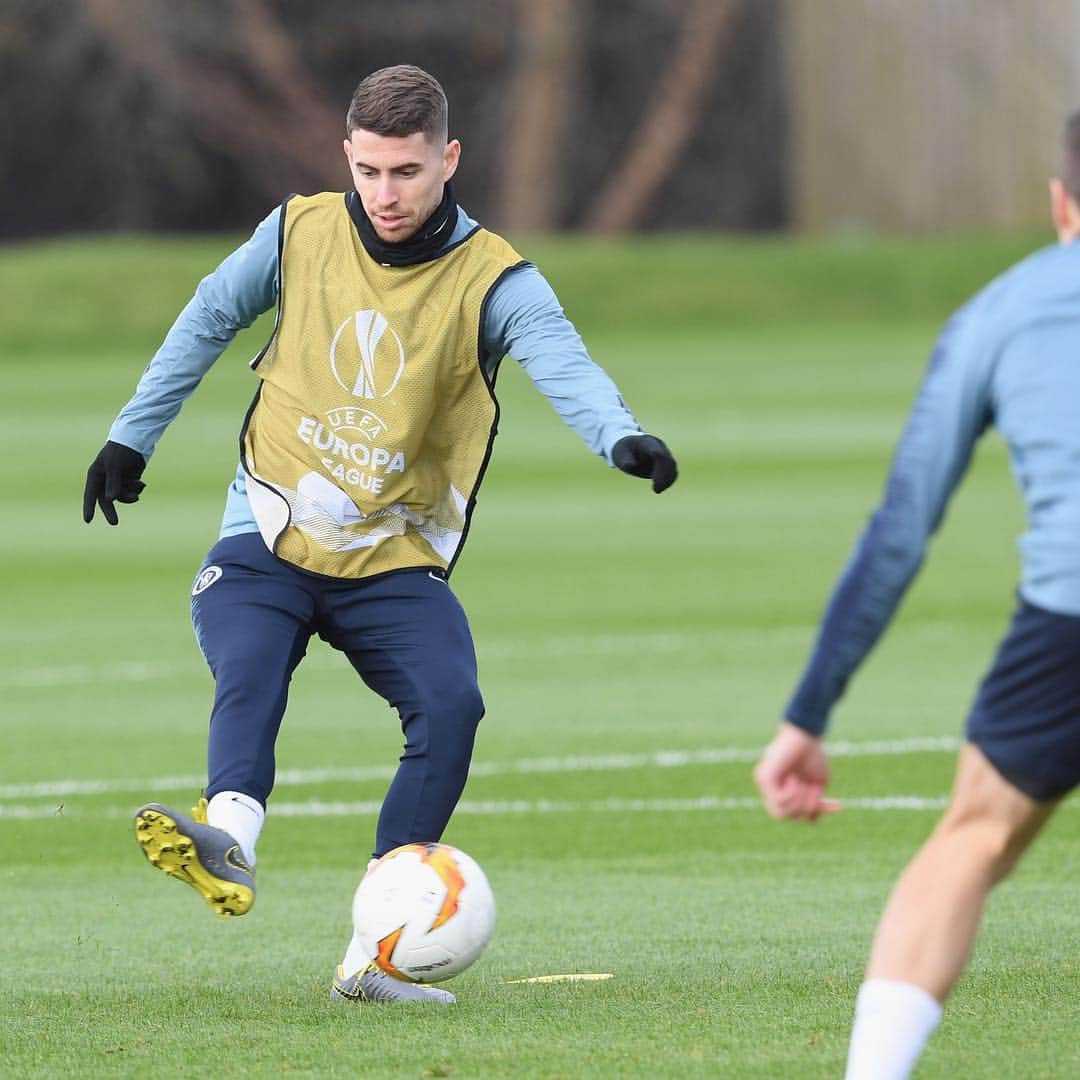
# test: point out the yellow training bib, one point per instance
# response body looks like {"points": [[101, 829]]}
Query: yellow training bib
{"points": [[373, 423]]}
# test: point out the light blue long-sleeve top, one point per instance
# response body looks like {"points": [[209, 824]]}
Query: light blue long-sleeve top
{"points": [[1010, 358], [523, 319]]}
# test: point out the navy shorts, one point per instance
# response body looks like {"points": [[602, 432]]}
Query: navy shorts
{"points": [[1026, 715]]}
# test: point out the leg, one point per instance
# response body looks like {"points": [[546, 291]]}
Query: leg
{"points": [[253, 625], [408, 638], [1022, 757], [251, 620], [926, 933], [929, 925]]}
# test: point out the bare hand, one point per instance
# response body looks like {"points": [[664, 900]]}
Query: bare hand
{"points": [[792, 776]]}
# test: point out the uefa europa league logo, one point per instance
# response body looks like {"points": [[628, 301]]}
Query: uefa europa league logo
{"points": [[368, 362]]}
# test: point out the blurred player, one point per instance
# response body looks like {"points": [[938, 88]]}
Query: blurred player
{"points": [[360, 459], [1010, 358]]}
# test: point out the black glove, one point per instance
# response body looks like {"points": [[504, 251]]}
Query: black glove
{"points": [[645, 455], [113, 476]]}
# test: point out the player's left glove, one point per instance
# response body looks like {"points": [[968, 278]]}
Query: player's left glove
{"points": [[113, 476], [647, 456]]}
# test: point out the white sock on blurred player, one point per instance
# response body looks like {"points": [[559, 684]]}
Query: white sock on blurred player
{"points": [[241, 817], [893, 1020], [356, 956]]}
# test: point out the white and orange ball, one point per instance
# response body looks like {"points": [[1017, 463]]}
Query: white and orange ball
{"points": [[424, 912]]}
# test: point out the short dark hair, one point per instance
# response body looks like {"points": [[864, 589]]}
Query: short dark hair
{"points": [[1070, 155], [399, 100]]}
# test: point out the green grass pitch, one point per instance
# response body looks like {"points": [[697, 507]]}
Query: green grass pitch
{"points": [[635, 652]]}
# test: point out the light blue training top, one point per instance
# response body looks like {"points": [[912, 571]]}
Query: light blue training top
{"points": [[1010, 358], [522, 319]]}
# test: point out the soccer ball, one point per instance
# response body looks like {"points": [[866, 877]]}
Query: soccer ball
{"points": [[424, 912]]}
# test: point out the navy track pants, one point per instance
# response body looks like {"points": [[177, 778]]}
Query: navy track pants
{"points": [[406, 635]]}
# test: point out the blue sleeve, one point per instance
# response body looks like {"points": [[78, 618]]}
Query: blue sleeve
{"points": [[951, 411], [227, 300], [524, 320]]}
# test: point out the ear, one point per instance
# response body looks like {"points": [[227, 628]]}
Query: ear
{"points": [[451, 157], [1064, 211], [1057, 202], [347, 147]]}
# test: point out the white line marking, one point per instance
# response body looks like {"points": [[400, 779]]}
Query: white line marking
{"points": [[690, 642], [135, 671], [661, 759], [17, 812], [326, 659], [318, 808]]}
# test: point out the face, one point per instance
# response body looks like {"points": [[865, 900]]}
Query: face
{"points": [[399, 178]]}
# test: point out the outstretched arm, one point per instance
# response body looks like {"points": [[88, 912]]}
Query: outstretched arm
{"points": [[951, 410], [226, 301], [525, 320]]}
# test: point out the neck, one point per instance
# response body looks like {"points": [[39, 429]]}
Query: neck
{"points": [[425, 244]]}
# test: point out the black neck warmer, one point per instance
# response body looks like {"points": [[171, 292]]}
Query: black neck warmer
{"points": [[424, 244]]}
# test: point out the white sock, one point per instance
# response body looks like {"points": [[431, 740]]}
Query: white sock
{"points": [[893, 1020], [241, 817], [356, 955]]}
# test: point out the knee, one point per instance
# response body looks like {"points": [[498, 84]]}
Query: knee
{"points": [[996, 844], [459, 708], [445, 724]]}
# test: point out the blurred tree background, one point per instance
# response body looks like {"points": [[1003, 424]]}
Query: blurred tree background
{"points": [[602, 115], [145, 114]]}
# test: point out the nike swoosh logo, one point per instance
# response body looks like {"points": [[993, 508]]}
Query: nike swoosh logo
{"points": [[236, 860], [435, 577]]}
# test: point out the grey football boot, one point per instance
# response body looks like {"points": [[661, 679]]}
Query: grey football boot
{"points": [[372, 985], [208, 859]]}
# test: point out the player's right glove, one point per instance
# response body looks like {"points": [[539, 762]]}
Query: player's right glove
{"points": [[113, 476], [648, 457]]}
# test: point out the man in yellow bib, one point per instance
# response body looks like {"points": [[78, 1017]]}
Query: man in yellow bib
{"points": [[360, 460]]}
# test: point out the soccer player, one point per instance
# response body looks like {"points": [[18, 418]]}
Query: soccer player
{"points": [[1009, 357], [360, 460]]}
